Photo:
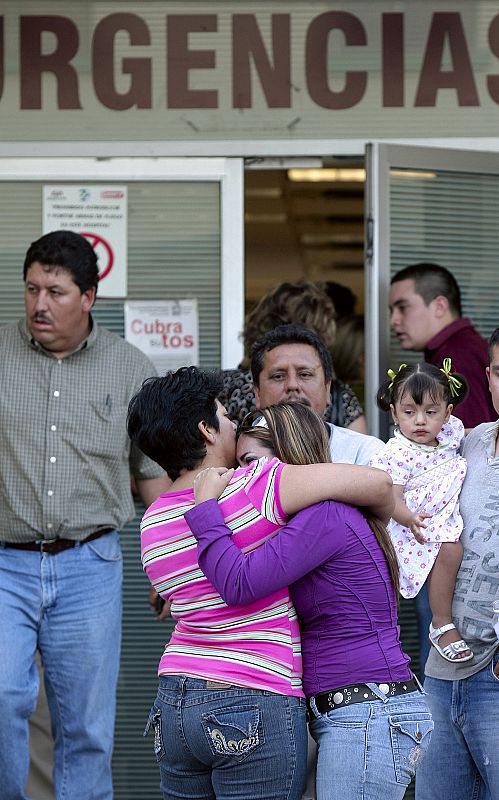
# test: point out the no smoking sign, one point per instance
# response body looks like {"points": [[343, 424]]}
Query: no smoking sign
{"points": [[99, 213]]}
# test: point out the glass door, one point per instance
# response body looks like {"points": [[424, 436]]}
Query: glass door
{"points": [[184, 236], [427, 204]]}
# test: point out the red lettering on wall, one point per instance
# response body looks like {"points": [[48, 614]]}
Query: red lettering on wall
{"points": [[34, 63], [180, 60], [392, 45], [246, 44], [446, 28], [317, 65], [139, 69], [493, 80]]}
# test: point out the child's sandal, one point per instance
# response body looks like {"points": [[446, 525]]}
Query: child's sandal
{"points": [[451, 652]]}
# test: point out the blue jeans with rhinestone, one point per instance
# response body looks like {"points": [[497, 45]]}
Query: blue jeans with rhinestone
{"points": [[227, 743], [370, 750]]}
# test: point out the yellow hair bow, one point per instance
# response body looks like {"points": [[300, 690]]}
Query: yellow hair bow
{"points": [[391, 374], [454, 383]]}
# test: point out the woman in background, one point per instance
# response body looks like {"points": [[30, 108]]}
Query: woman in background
{"points": [[303, 303]]}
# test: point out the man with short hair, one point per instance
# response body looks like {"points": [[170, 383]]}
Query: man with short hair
{"points": [[64, 493], [425, 307], [292, 364], [463, 758]]}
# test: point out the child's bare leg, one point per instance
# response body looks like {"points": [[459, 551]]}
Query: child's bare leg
{"points": [[441, 584]]}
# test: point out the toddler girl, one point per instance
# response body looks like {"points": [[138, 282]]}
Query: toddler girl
{"points": [[428, 473]]}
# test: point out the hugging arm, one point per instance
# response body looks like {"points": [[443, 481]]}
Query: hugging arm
{"points": [[357, 485], [296, 549], [301, 486]]}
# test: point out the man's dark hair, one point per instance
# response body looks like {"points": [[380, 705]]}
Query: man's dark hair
{"points": [[493, 342], [69, 251], [288, 334], [163, 417], [430, 281]]}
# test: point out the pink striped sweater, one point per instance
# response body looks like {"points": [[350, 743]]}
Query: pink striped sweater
{"points": [[256, 645]]}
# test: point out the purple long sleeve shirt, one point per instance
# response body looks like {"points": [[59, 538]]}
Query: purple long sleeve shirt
{"points": [[339, 583]]}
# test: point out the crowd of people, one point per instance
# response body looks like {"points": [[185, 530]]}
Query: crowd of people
{"points": [[278, 533]]}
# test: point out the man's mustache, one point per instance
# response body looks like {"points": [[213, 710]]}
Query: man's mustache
{"points": [[303, 400], [40, 317]]}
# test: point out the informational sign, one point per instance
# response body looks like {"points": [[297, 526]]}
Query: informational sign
{"points": [[99, 213], [165, 330]]}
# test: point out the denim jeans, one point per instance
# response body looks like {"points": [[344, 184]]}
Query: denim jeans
{"points": [[463, 758], [227, 743], [423, 619], [69, 606], [370, 750]]}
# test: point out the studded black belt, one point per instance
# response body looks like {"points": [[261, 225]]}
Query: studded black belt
{"points": [[360, 693]]}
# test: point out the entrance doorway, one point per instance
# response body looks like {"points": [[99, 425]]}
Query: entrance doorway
{"points": [[306, 222]]}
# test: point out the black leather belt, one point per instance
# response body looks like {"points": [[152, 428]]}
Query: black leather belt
{"points": [[53, 546], [360, 693]]}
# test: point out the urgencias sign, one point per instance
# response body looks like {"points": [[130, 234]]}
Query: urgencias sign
{"points": [[269, 60]]}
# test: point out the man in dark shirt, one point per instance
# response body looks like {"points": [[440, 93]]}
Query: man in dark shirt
{"points": [[425, 307]]}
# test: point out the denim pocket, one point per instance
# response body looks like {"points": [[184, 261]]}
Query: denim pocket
{"points": [[233, 732], [107, 547], [155, 720], [410, 737]]}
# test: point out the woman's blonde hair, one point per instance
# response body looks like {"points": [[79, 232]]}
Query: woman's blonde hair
{"points": [[297, 435], [292, 431], [301, 303]]}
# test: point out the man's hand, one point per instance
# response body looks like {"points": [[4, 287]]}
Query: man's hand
{"points": [[165, 612], [210, 483]]}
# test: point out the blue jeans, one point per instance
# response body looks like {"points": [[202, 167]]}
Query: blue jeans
{"points": [[423, 619], [227, 743], [370, 750], [68, 606], [463, 759]]}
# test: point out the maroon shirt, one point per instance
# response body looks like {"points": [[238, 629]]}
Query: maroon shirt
{"points": [[468, 351]]}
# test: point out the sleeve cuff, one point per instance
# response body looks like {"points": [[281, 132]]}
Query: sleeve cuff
{"points": [[204, 516]]}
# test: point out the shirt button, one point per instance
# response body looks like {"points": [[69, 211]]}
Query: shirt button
{"points": [[56, 393], [49, 525], [53, 427], [53, 459], [50, 492]]}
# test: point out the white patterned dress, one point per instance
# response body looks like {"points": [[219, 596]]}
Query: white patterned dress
{"points": [[432, 478]]}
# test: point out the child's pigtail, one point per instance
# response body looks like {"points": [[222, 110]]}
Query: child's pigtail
{"points": [[457, 383]]}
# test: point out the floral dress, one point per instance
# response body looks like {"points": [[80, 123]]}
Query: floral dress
{"points": [[432, 478]]}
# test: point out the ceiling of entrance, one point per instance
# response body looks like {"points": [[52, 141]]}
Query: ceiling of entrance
{"points": [[304, 224]]}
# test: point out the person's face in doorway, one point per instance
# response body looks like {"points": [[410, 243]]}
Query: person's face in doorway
{"points": [[493, 377], [413, 322], [293, 373]]}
